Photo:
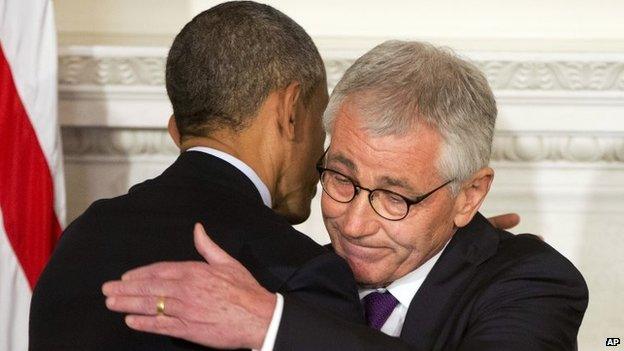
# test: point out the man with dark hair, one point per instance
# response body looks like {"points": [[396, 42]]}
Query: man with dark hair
{"points": [[248, 89], [226, 61]]}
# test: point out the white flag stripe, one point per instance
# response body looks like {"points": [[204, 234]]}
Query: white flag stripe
{"points": [[14, 298], [32, 55]]}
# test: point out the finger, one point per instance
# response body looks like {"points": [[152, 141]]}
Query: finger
{"points": [[211, 252], [167, 288], [159, 324], [144, 305], [505, 221], [164, 270]]}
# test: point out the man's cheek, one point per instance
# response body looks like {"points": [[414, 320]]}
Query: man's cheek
{"points": [[330, 208]]}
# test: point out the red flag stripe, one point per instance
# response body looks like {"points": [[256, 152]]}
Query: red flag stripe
{"points": [[26, 188]]}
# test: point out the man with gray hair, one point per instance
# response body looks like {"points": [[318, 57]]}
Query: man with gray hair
{"points": [[411, 130]]}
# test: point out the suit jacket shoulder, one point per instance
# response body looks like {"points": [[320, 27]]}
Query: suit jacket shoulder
{"points": [[531, 297], [493, 290]]}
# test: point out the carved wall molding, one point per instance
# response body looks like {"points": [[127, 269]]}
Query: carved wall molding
{"points": [[553, 107], [542, 72], [77, 70], [572, 147], [116, 142], [554, 75], [508, 147]]}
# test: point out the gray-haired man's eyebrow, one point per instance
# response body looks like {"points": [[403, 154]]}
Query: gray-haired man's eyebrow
{"points": [[395, 182], [344, 160], [384, 181]]}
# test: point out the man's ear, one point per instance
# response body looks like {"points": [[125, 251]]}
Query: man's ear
{"points": [[287, 109], [471, 196], [174, 133]]}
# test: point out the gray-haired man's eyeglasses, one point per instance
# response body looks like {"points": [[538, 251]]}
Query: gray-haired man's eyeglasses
{"points": [[386, 203]]}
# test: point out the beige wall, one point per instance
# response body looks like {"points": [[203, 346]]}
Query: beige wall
{"points": [[563, 25]]}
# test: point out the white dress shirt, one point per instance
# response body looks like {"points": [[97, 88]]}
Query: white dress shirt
{"points": [[269, 340], [403, 289]]}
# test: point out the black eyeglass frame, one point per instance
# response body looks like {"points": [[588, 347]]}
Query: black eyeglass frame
{"points": [[357, 188]]}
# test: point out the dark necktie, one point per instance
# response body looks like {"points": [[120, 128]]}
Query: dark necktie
{"points": [[378, 307]]}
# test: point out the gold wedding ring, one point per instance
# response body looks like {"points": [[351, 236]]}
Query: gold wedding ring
{"points": [[160, 306]]}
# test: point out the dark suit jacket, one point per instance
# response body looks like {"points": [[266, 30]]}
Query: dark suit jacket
{"points": [[154, 222], [490, 290]]}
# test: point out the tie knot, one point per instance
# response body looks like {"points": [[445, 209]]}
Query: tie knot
{"points": [[377, 308]]}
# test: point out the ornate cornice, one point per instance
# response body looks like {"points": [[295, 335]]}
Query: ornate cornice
{"points": [[554, 75], [544, 72], [582, 148], [77, 70], [545, 100], [79, 141], [537, 73], [511, 147]]}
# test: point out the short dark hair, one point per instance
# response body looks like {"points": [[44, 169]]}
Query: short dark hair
{"points": [[224, 63]]}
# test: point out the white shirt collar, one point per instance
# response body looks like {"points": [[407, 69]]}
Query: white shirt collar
{"points": [[405, 288], [241, 166]]}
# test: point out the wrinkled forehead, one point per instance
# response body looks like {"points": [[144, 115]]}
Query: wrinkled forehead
{"points": [[357, 118], [376, 112], [350, 112], [360, 151]]}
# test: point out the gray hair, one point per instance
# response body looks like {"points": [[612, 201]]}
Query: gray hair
{"points": [[399, 84], [226, 61]]}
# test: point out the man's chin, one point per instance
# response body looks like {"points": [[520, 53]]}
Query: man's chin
{"points": [[365, 276], [367, 282]]}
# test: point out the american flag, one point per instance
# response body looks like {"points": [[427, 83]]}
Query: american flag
{"points": [[32, 194]]}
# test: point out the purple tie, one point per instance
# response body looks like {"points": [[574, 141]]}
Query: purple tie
{"points": [[378, 307]]}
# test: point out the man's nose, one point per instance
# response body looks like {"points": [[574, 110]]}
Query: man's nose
{"points": [[359, 219]]}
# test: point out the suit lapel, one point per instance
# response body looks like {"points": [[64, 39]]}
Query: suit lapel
{"points": [[434, 301]]}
